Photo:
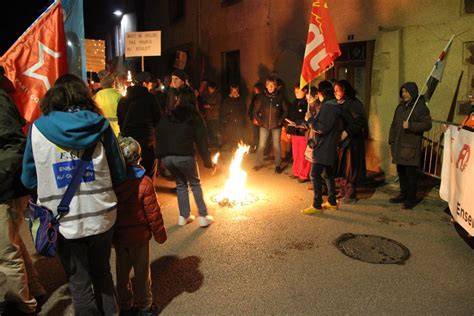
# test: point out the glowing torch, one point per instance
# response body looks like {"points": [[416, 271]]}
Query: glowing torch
{"points": [[215, 158]]}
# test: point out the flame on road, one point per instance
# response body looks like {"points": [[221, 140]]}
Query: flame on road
{"points": [[234, 192]]}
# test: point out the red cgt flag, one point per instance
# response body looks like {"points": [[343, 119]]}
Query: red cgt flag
{"points": [[322, 47], [36, 60]]}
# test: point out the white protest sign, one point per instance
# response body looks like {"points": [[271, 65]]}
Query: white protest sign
{"points": [[456, 176], [143, 44]]}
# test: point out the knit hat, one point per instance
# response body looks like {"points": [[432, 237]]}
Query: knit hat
{"points": [[101, 74], [130, 148], [107, 81], [180, 74]]}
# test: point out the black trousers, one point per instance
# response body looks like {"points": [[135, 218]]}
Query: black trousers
{"points": [[318, 171], [408, 176], [86, 263]]}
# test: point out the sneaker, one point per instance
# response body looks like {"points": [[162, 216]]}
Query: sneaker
{"points": [[329, 206], [205, 221], [398, 199], [312, 210], [301, 180], [183, 221], [256, 168]]}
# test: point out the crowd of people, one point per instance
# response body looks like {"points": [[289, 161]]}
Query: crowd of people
{"points": [[160, 127]]}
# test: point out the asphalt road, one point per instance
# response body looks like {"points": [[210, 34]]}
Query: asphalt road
{"points": [[267, 258]]}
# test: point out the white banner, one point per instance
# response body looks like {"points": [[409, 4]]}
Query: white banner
{"points": [[143, 44], [457, 176]]}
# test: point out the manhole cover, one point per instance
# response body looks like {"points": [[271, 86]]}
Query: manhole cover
{"points": [[372, 249]]}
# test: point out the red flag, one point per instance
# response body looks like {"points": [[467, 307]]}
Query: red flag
{"points": [[36, 60], [322, 47]]}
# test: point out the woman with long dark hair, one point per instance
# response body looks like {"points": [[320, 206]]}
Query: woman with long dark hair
{"points": [[72, 123]]}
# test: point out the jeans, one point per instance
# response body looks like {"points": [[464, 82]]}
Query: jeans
{"points": [[317, 179], [185, 171], [86, 263], [263, 138]]}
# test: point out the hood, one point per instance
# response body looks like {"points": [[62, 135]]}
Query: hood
{"points": [[135, 172], [77, 130], [412, 88]]}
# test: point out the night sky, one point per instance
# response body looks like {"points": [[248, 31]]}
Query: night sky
{"points": [[97, 20]]}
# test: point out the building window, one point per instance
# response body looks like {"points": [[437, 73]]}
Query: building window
{"points": [[177, 9], [468, 7], [226, 3]]}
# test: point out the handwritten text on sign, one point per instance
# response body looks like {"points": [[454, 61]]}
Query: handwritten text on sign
{"points": [[143, 44]]}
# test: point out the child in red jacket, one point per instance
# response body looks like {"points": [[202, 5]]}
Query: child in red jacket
{"points": [[138, 218]]}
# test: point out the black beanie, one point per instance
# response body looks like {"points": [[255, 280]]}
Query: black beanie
{"points": [[180, 74]]}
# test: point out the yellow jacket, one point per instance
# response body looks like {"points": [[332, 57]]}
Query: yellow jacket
{"points": [[107, 100]]}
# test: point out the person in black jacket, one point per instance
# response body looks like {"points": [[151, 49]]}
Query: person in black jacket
{"points": [[137, 114], [180, 130], [232, 118], [327, 126], [351, 162], [19, 284], [270, 111], [405, 142], [297, 129]]}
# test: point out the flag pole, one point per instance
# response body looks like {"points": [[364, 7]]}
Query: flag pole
{"points": [[427, 79], [309, 91]]}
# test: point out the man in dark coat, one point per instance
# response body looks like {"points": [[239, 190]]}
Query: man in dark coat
{"points": [[19, 280], [405, 141], [138, 113], [271, 109], [351, 164], [233, 117], [212, 110], [328, 125]]}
